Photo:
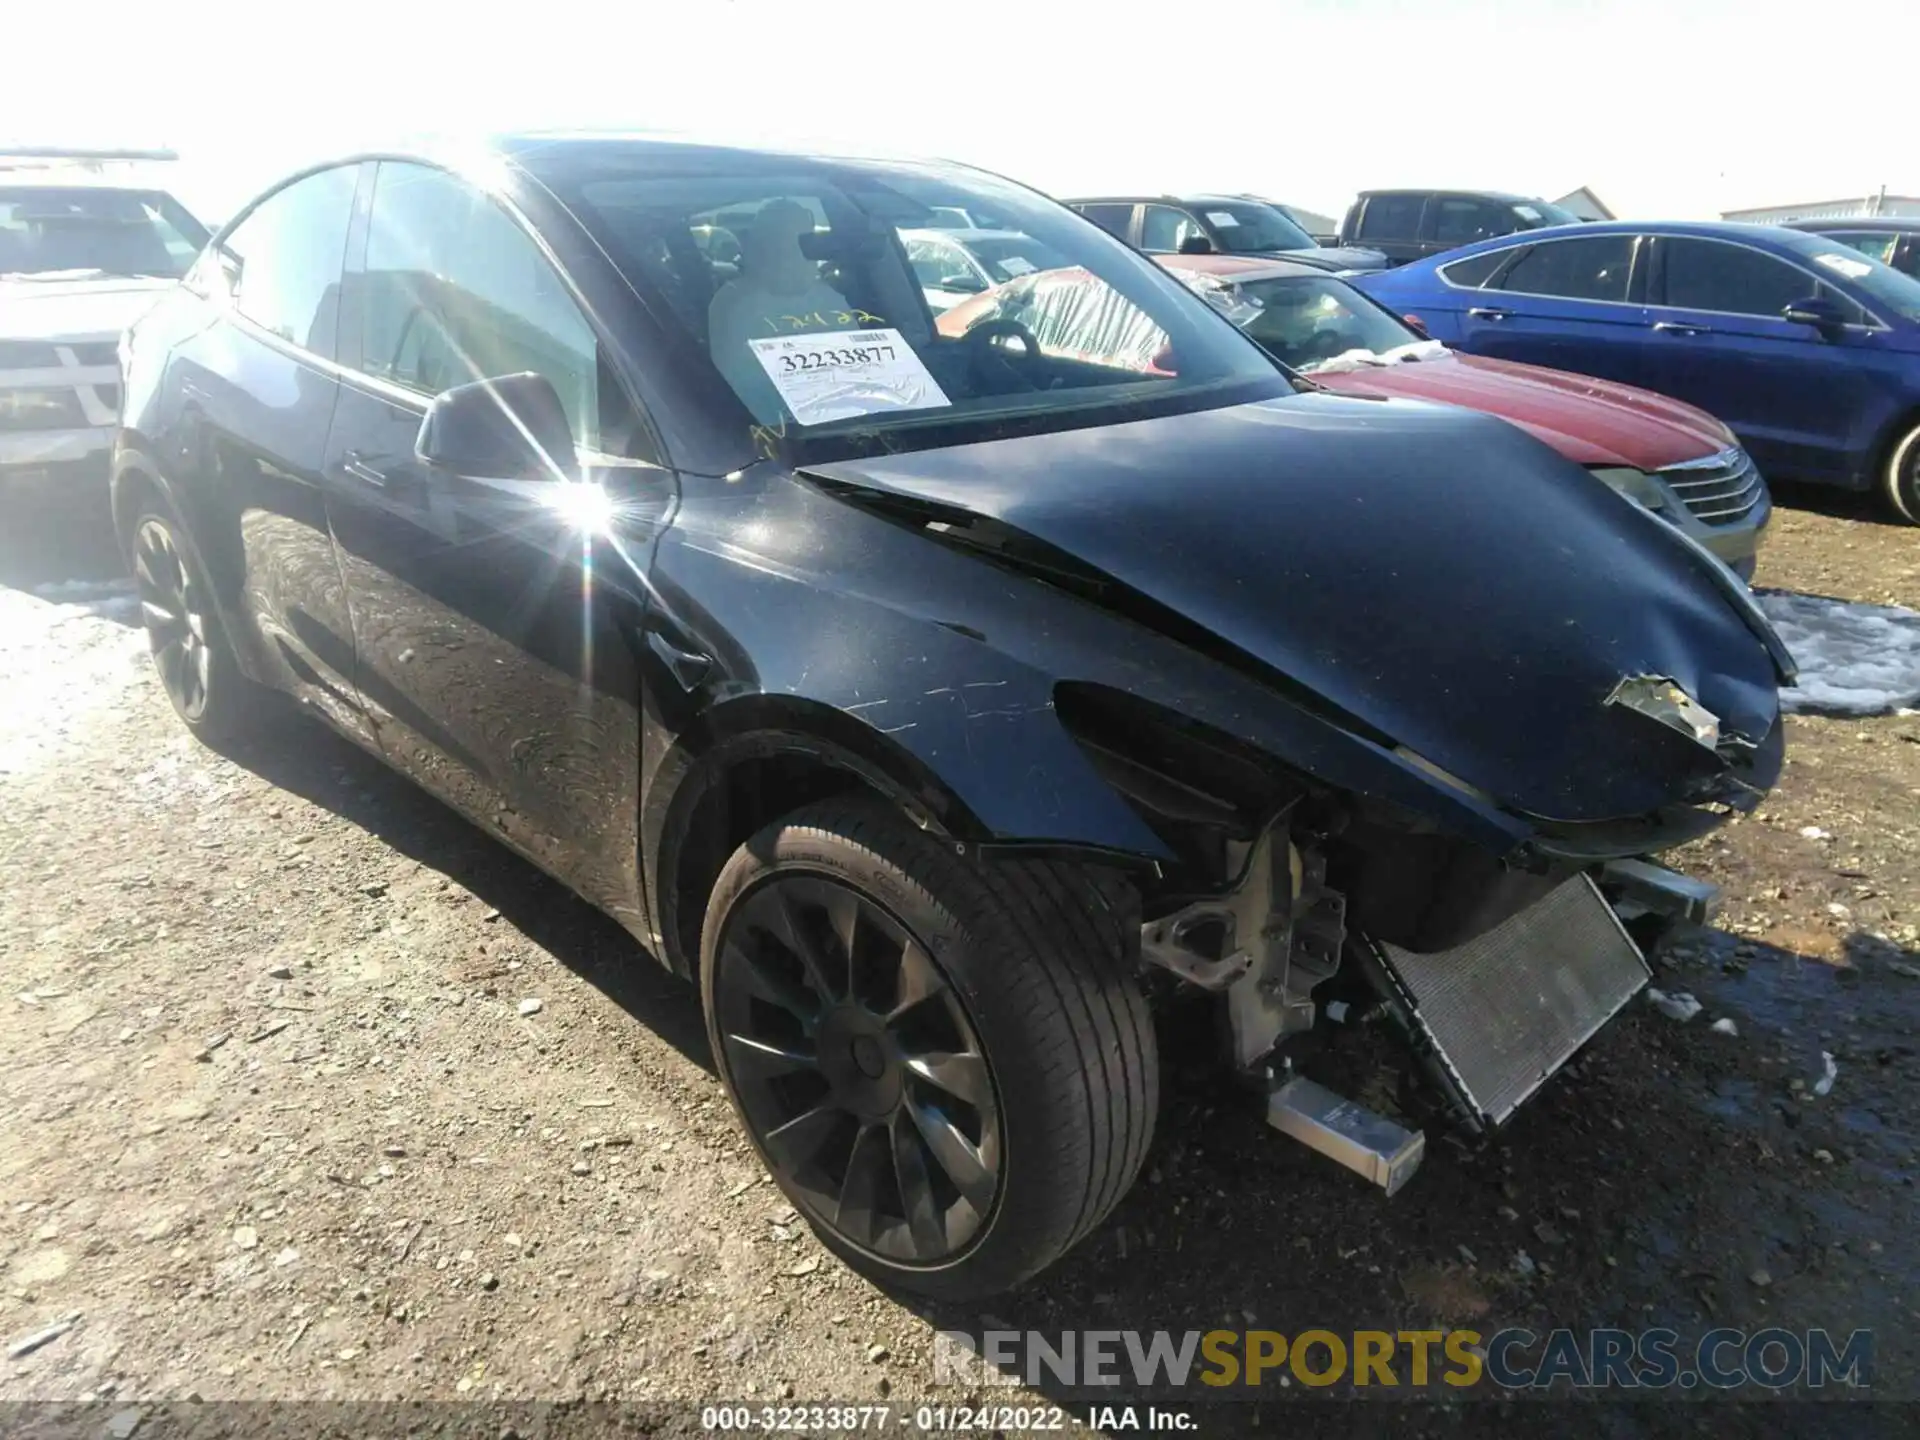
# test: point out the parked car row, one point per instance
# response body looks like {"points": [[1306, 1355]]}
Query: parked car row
{"points": [[933, 675], [1808, 348]]}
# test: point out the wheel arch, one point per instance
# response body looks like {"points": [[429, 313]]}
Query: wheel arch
{"points": [[1905, 421], [744, 765]]}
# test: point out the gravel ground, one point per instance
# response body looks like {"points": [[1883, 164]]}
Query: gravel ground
{"points": [[311, 1091]]}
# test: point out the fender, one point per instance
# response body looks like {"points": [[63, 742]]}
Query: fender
{"points": [[134, 469]]}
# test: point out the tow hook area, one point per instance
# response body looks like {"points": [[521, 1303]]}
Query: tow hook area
{"points": [[1364, 1141], [1640, 887], [1264, 946]]}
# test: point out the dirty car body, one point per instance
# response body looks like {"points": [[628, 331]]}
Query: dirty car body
{"points": [[923, 695]]}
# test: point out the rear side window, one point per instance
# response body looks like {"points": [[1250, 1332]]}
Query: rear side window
{"points": [[1391, 217], [1114, 219], [1589, 269], [1712, 275], [285, 259], [455, 291], [1461, 220], [1474, 271]]}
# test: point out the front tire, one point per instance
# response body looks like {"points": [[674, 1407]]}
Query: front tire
{"points": [[190, 649], [1901, 483], [945, 1065]]}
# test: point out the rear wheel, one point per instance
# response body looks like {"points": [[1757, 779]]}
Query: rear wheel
{"points": [[190, 651], [944, 1065], [1902, 480]]}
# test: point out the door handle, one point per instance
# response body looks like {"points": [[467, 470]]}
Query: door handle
{"points": [[1485, 312], [352, 465], [1674, 327]]}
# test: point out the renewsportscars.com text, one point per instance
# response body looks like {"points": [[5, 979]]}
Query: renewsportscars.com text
{"points": [[1222, 1362]]}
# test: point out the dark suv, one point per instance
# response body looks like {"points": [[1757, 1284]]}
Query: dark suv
{"points": [[1413, 224], [1217, 224], [1891, 242]]}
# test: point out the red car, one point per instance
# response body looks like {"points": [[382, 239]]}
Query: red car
{"points": [[1676, 460]]}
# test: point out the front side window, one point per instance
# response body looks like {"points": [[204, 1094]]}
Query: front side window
{"points": [[941, 264], [1590, 269], [454, 290], [1163, 227], [284, 258], [1461, 220], [75, 231], [1391, 217], [823, 331], [1536, 214], [1730, 279]]}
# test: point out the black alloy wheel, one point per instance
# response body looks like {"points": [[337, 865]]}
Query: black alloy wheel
{"points": [[174, 608], [855, 1062], [945, 1063]]}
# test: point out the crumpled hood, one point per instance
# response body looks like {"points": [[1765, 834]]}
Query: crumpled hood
{"points": [[76, 309], [1591, 422], [1437, 573]]}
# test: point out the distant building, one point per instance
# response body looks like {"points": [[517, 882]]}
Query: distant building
{"points": [[1856, 208], [1587, 205]]}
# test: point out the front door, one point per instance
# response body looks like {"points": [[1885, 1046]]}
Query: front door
{"points": [[494, 619], [1717, 340]]}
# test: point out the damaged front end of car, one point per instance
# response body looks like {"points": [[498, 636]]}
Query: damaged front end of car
{"points": [[1406, 722], [1305, 910]]}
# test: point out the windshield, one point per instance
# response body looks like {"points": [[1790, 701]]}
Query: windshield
{"points": [[793, 281], [47, 231], [1306, 321], [1885, 287], [1247, 227]]}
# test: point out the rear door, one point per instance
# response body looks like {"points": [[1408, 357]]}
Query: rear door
{"points": [[495, 657], [256, 393], [1566, 304], [1391, 224], [1717, 340]]}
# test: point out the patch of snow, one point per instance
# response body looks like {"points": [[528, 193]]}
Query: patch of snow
{"points": [[1678, 1006], [1854, 659], [109, 599]]}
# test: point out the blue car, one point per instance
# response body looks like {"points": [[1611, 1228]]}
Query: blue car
{"points": [[1806, 348]]}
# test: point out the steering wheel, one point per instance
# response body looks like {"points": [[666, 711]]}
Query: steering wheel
{"points": [[1026, 364]]}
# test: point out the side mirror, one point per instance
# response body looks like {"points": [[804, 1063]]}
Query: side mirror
{"points": [[1196, 245], [961, 284], [1820, 313], [509, 428], [1417, 325]]}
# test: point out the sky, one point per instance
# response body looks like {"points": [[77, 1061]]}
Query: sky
{"points": [[1667, 110]]}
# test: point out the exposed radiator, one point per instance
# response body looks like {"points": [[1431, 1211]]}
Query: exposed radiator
{"points": [[1504, 1011]]}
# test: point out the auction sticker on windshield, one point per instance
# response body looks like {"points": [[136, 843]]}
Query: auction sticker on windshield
{"points": [[843, 373]]}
